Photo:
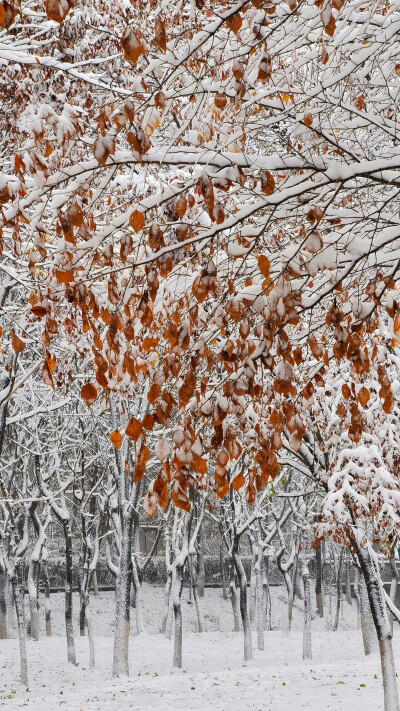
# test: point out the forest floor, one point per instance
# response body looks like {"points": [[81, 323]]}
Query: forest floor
{"points": [[214, 677]]}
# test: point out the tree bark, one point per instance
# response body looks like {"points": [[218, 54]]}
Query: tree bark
{"points": [[69, 628], [177, 605], [233, 596], [122, 612], [3, 604], [18, 593], [318, 580], [244, 612], [338, 590], [307, 649], [370, 571]]}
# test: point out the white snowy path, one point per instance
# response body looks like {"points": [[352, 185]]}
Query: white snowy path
{"points": [[214, 676]]}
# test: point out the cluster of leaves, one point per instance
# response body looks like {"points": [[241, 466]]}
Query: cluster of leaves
{"points": [[200, 201]]}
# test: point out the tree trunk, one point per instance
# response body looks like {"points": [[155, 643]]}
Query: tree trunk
{"points": [[18, 593], [69, 628], [194, 585], [176, 599], [201, 578], [370, 571], [260, 600], [138, 597], [222, 569], [122, 612], [33, 599], [233, 596], [367, 622], [244, 612], [307, 651], [252, 587], [348, 582], [338, 590], [47, 604], [3, 604], [318, 580]]}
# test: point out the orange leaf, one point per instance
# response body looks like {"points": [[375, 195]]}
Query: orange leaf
{"points": [[65, 277], [148, 422], [181, 206], [267, 183], [160, 490], [363, 396], [136, 220], [89, 394], [263, 265], [38, 311], [346, 392], [116, 439], [160, 36], [46, 375], [134, 429], [153, 393], [234, 22], [16, 343], [238, 482]]}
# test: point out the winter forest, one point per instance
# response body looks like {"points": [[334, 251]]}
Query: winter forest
{"points": [[200, 355]]}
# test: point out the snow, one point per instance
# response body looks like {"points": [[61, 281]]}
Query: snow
{"points": [[213, 676]]}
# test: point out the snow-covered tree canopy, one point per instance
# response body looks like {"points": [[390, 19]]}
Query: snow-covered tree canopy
{"points": [[201, 201]]}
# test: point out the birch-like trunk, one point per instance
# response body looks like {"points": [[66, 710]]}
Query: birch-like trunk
{"points": [[122, 612], [338, 590], [305, 574], [370, 571], [3, 604], [318, 580], [138, 597], [244, 612], [367, 623], [201, 575], [233, 596], [177, 605], [260, 600], [33, 599], [69, 627], [18, 594], [47, 603], [222, 569], [348, 581], [252, 587], [195, 590]]}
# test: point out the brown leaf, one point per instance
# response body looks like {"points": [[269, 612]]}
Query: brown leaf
{"points": [[46, 375], [263, 265], [116, 439], [267, 183], [38, 311], [363, 396], [89, 394], [65, 277], [346, 392], [16, 343], [132, 46], [136, 220], [160, 491], [134, 429], [153, 394], [234, 22], [238, 482], [160, 36]]}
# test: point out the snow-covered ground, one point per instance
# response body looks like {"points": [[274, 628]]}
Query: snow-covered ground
{"points": [[213, 675]]}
